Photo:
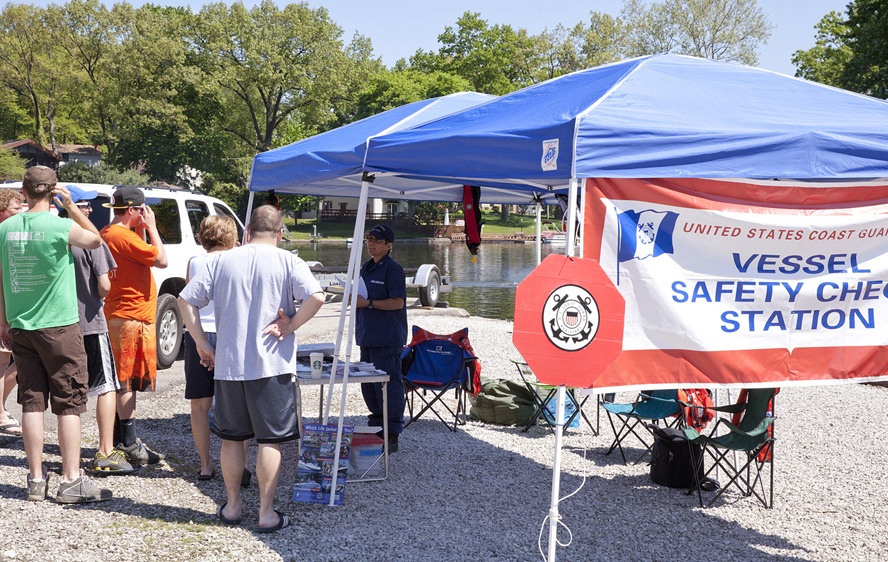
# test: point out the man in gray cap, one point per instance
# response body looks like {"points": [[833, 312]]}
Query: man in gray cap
{"points": [[381, 328], [39, 319]]}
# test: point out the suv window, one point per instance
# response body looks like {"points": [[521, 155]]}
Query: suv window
{"points": [[197, 212], [166, 213], [222, 210]]}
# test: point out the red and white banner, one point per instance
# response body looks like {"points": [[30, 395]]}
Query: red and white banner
{"points": [[743, 284]]}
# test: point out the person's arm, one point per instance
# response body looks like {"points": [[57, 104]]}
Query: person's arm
{"points": [[149, 221], [285, 325], [5, 337], [191, 317], [104, 285], [382, 304]]}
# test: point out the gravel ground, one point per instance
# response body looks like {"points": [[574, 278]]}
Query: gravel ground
{"points": [[481, 493]]}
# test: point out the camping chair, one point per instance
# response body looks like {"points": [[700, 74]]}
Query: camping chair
{"points": [[432, 364], [752, 434], [543, 394], [649, 407]]}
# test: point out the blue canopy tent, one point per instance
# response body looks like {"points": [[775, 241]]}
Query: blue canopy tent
{"points": [[661, 116], [665, 116], [332, 164]]}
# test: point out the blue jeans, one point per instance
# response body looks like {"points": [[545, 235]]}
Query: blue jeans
{"points": [[386, 359]]}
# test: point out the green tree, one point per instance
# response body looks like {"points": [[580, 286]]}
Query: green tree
{"points": [[25, 64], [12, 166], [730, 30], [494, 59], [867, 69], [78, 172], [826, 61], [564, 50], [269, 64], [388, 90]]}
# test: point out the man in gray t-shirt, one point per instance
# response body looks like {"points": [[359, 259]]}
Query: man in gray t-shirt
{"points": [[91, 273], [256, 285]]}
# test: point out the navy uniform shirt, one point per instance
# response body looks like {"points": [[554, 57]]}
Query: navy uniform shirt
{"points": [[382, 328]]}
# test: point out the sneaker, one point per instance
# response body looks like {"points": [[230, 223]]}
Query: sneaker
{"points": [[37, 489], [82, 490], [138, 453], [115, 463]]}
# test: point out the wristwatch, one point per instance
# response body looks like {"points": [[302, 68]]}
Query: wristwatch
{"points": [[370, 304]]}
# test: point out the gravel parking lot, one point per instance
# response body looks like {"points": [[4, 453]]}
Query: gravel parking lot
{"points": [[481, 493]]}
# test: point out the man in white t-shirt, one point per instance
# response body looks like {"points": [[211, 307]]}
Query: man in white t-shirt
{"points": [[257, 286]]}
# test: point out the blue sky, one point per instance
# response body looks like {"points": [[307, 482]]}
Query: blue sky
{"points": [[399, 27]]}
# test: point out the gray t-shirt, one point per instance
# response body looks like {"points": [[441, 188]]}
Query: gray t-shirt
{"points": [[248, 285], [89, 265]]}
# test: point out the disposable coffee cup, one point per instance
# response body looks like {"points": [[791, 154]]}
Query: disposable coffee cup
{"points": [[317, 363]]}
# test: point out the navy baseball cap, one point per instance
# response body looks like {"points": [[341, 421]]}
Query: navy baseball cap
{"points": [[382, 232]]}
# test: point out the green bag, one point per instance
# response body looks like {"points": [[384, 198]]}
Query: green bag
{"points": [[503, 402]]}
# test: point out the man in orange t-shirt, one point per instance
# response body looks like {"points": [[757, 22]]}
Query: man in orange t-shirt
{"points": [[130, 308]]}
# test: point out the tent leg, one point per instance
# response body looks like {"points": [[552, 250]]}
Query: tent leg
{"points": [[556, 473]]}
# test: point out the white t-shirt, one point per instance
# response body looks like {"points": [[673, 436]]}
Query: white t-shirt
{"points": [[248, 285]]}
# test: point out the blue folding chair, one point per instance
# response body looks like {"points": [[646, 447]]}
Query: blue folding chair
{"points": [[433, 364], [651, 407]]}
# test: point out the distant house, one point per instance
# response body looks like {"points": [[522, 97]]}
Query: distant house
{"points": [[35, 154], [84, 153]]}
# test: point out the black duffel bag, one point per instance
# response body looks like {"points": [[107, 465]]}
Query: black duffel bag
{"points": [[671, 462]]}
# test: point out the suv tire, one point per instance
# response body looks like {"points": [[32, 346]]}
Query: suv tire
{"points": [[169, 330]]}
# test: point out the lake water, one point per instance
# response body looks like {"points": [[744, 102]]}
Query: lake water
{"points": [[484, 288]]}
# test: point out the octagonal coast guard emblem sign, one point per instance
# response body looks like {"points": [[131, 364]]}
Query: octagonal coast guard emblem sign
{"points": [[568, 321]]}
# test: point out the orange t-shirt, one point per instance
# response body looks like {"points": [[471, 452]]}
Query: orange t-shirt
{"points": [[133, 294]]}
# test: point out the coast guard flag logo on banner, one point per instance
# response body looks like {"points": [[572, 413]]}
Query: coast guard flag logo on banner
{"points": [[732, 283], [646, 234]]}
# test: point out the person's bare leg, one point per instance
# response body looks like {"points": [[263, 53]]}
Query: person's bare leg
{"points": [[200, 430], [106, 408], [126, 405], [232, 460], [268, 472], [69, 443], [32, 430], [7, 382]]}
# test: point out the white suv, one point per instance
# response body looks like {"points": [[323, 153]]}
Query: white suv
{"points": [[179, 213]]}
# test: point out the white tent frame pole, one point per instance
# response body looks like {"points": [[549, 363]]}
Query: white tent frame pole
{"points": [[561, 392], [354, 273], [556, 473], [539, 232], [249, 214]]}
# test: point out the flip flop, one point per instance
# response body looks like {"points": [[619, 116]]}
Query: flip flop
{"points": [[6, 428], [209, 476], [224, 519], [283, 523]]}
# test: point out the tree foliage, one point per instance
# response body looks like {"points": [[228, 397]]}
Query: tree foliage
{"points": [[728, 30], [168, 90], [826, 61], [867, 69], [494, 59], [12, 166], [850, 52], [78, 172]]}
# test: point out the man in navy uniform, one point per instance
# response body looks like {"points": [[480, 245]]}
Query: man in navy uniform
{"points": [[381, 328]]}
